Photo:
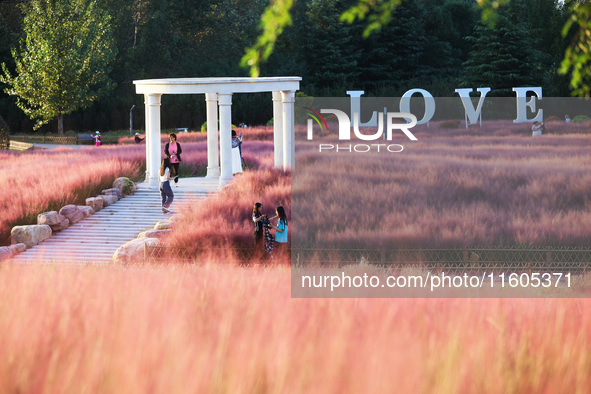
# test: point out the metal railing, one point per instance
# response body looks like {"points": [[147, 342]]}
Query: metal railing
{"points": [[535, 259], [159, 254], [43, 139], [477, 258]]}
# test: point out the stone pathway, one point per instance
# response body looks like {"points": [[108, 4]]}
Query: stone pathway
{"points": [[96, 238]]}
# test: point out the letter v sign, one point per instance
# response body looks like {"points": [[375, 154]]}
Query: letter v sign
{"points": [[471, 113]]}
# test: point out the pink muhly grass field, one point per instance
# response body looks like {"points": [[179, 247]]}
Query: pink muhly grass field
{"points": [[33, 183], [453, 191], [219, 328]]}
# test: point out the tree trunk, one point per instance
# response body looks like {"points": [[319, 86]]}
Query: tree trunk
{"points": [[60, 124]]}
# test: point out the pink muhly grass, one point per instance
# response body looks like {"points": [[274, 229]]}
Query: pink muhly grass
{"points": [[225, 219], [447, 191], [33, 183], [227, 329]]}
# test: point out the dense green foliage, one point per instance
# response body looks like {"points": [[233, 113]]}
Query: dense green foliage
{"points": [[578, 54], [425, 44]]}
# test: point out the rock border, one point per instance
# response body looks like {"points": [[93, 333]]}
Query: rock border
{"points": [[133, 252], [48, 223]]}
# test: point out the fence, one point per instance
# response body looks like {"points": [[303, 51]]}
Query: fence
{"points": [[490, 259], [158, 253], [43, 139], [478, 259]]}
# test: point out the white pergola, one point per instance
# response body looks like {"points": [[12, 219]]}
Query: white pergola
{"points": [[218, 92]]}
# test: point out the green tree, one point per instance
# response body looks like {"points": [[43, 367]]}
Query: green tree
{"points": [[329, 53], [393, 57], [64, 62], [379, 13], [505, 56]]}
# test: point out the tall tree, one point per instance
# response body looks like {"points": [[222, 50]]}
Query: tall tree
{"points": [[505, 56], [64, 62], [328, 51], [393, 56]]}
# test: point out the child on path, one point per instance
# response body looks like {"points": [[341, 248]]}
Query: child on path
{"points": [[166, 174]]}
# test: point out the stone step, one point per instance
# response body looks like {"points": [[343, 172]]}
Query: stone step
{"points": [[96, 238], [107, 256], [80, 243], [66, 262], [66, 257], [105, 253]]}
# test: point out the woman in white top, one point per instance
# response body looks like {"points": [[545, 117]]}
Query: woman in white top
{"points": [[236, 153], [166, 175], [536, 129]]}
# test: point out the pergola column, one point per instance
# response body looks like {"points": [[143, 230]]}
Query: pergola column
{"points": [[225, 103], [277, 130], [147, 135], [287, 101], [153, 140], [213, 157]]}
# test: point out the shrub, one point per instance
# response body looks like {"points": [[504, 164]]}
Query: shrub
{"points": [[204, 127], [271, 122], [449, 124], [581, 118], [553, 119]]}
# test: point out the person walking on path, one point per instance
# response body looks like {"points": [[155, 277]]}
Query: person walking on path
{"points": [[173, 151], [236, 153], [166, 174], [97, 138]]}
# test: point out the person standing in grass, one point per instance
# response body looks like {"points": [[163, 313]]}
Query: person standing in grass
{"points": [[262, 234], [173, 151], [281, 228], [236, 153], [536, 129], [257, 218], [166, 174]]}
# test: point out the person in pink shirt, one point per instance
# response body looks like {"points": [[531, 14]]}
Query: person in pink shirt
{"points": [[97, 138], [173, 151]]}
